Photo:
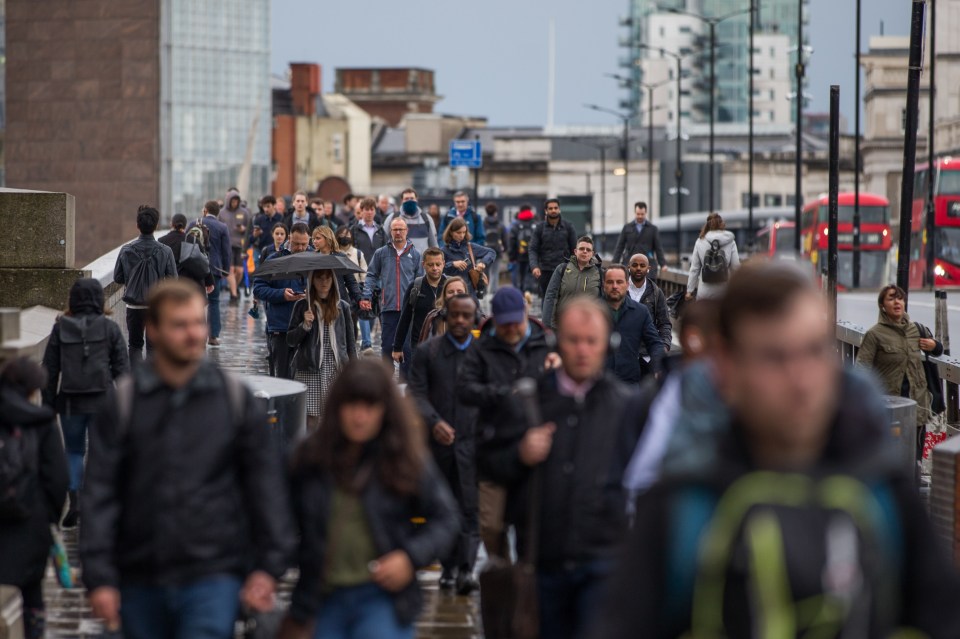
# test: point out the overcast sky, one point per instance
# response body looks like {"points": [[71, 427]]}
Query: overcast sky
{"points": [[491, 56]]}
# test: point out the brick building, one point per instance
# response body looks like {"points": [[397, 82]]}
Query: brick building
{"points": [[389, 94]]}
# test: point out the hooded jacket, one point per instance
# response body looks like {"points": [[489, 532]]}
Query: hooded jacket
{"points": [[391, 273], [309, 343], [728, 244], [653, 585], [474, 224], [569, 279], [86, 302], [892, 351], [25, 545], [237, 219]]}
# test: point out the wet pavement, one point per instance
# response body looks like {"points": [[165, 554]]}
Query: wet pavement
{"points": [[244, 350]]}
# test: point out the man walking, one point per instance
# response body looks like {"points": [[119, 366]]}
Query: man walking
{"points": [[434, 380], [640, 349], [391, 270], [216, 236], [580, 275], [418, 300], [497, 241], [640, 236], [516, 347], [521, 234], [301, 214], [554, 241], [140, 265], [644, 290], [368, 236], [236, 217], [462, 209], [261, 233], [185, 512], [576, 454], [280, 297], [421, 230]]}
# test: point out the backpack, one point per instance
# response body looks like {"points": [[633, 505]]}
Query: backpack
{"points": [[495, 237], [19, 453], [142, 277], [415, 291], [200, 235], [767, 532], [714, 269], [84, 355], [193, 256], [524, 236]]}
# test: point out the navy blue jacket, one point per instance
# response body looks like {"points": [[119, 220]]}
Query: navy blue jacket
{"points": [[636, 328], [221, 256], [271, 292], [265, 223], [474, 225]]}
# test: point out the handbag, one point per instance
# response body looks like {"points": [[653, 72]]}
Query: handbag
{"points": [[508, 593], [932, 373], [478, 278]]}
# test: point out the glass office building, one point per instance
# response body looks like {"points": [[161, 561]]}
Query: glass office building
{"points": [[215, 101]]}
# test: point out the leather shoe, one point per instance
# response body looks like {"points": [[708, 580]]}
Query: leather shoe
{"points": [[466, 583]]}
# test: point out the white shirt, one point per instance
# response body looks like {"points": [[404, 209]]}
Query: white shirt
{"points": [[636, 294]]}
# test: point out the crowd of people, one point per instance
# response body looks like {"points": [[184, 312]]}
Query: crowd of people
{"points": [[739, 482]]}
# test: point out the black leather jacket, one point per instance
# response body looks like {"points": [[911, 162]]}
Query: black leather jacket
{"points": [[185, 490], [388, 516]]}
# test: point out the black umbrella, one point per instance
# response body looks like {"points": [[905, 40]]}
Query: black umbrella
{"points": [[283, 267]]}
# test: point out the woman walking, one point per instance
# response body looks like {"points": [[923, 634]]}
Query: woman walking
{"points": [[36, 499], [464, 258], [322, 340], [86, 352], [357, 481], [279, 234], [435, 323], [894, 348], [714, 259], [325, 243]]}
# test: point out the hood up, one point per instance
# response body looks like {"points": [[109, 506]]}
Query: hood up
{"points": [[232, 193], [86, 297], [724, 237]]}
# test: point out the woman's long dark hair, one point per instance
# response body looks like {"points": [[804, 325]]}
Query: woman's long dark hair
{"points": [[397, 454]]}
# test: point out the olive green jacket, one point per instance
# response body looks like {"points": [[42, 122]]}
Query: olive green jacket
{"points": [[892, 352], [569, 280]]}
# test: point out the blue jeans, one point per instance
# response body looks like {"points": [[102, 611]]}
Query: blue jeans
{"points": [[204, 609], [365, 330], [213, 310], [389, 321], [362, 612], [75, 441], [568, 598]]}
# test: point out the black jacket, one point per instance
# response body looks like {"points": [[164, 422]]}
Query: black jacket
{"points": [[489, 372], [582, 504], [363, 242], [654, 299], [25, 545], [638, 337], [388, 516], [552, 245], [86, 300], [646, 243], [652, 589], [174, 239], [306, 355], [415, 312], [145, 247], [186, 490]]}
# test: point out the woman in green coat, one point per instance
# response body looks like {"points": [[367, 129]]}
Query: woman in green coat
{"points": [[894, 349]]}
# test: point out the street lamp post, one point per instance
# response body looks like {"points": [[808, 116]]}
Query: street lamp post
{"points": [[750, 237], [712, 22], [602, 148], [798, 187], [626, 117]]}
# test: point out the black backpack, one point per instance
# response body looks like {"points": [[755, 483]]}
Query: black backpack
{"points": [[19, 453], [142, 277], [84, 355], [200, 235], [495, 237], [715, 269], [524, 236]]}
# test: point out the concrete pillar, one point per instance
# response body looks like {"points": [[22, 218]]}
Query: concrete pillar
{"points": [[40, 226]]}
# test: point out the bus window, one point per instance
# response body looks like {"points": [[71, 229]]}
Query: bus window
{"points": [[920, 184], [949, 183], [785, 240], [868, 215]]}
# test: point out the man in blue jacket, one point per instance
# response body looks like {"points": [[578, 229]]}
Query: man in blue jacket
{"points": [[391, 271], [219, 252], [280, 297], [634, 325], [462, 208]]}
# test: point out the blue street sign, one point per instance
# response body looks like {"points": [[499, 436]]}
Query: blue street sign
{"points": [[466, 153]]}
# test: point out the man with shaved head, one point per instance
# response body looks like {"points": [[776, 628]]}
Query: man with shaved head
{"points": [[642, 289]]}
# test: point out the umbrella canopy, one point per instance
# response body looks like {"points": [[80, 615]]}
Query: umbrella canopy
{"points": [[301, 263]]}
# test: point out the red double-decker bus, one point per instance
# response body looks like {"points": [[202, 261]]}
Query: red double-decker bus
{"points": [[776, 240], [946, 224], [875, 239]]}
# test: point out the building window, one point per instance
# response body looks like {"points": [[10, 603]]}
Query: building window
{"points": [[773, 95], [663, 32], [336, 147], [745, 199], [772, 74], [772, 116], [791, 200], [684, 29], [772, 199]]}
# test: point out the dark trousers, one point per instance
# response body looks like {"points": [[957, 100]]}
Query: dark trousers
{"points": [[204, 609], [279, 354], [544, 281], [568, 597], [522, 276], [389, 321], [34, 610], [460, 472], [213, 309], [137, 334]]}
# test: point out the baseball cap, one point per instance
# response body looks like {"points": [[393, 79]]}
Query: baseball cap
{"points": [[508, 306]]}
